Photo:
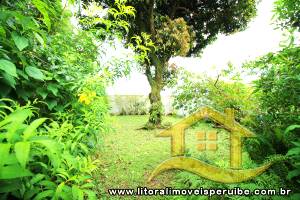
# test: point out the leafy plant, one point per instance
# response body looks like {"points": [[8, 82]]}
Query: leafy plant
{"points": [[52, 162], [193, 92]]}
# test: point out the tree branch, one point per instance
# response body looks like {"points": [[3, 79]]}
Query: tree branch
{"points": [[151, 17]]}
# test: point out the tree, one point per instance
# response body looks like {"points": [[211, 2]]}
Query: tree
{"points": [[180, 28], [287, 13]]}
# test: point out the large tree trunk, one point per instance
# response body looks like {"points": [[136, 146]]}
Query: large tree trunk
{"points": [[156, 83], [156, 109]]}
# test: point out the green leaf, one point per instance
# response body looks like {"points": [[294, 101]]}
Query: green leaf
{"points": [[8, 67], [53, 88], [43, 92], [9, 80], [4, 152], [22, 73], [293, 174], [10, 185], [18, 116], [22, 150], [77, 193], [87, 185], [11, 160], [44, 194], [48, 184], [2, 32], [40, 39], [31, 129], [35, 73], [4, 90], [52, 150], [37, 178], [9, 172], [290, 128], [295, 196], [20, 41], [91, 194], [59, 190], [293, 151], [23, 93], [51, 104], [29, 194]]}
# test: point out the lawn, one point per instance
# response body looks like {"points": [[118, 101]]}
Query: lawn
{"points": [[129, 154], [133, 153]]}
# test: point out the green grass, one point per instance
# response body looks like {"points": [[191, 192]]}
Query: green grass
{"points": [[129, 154]]}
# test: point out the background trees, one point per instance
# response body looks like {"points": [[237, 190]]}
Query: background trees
{"points": [[179, 28]]}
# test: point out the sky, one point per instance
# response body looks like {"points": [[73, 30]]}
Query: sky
{"points": [[258, 39]]}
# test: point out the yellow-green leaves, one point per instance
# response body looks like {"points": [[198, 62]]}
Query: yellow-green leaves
{"points": [[77, 193], [13, 171], [42, 7], [22, 150], [31, 129], [4, 152], [20, 41]]}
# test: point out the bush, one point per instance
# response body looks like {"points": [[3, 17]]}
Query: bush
{"points": [[196, 92], [53, 160], [278, 92], [45, 162], [44, 60]]}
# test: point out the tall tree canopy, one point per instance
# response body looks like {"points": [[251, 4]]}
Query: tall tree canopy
{"points": [[180, 28]]}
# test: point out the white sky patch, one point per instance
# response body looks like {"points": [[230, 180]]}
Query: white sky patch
{"points": [[258, 39]]}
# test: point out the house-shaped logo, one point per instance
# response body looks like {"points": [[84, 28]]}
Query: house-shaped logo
{"points": [[179, 161]]}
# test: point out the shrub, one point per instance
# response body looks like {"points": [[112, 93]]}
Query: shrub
{"points": [[50, 161], [196, 91], [278, 94]]}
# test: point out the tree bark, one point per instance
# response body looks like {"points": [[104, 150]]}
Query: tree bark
{"points": [[156, 109], [156, 83]]}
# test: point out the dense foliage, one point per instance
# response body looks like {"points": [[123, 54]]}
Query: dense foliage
{"points": [[278, 93], [53, 106], [288, 13], [58, 112]]}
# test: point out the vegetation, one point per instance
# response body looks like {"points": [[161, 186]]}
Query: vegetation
{"points": [[131, 161], [53, 106], [195, 91], [57, 138], [162, 29], [278, 108]]}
